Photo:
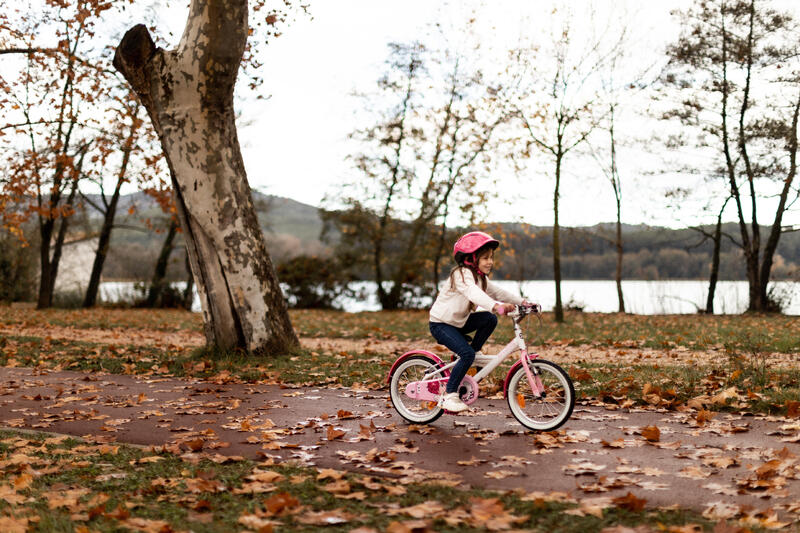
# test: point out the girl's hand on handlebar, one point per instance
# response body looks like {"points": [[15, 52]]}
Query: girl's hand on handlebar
{"points": [[504, 309], [536, 308]]}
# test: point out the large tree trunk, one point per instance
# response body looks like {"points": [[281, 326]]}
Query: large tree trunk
{"points": [[188, 93]]}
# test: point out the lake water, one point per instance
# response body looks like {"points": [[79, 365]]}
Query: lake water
{"points": [[600, 296]]}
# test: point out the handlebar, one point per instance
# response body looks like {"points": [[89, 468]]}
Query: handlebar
{"points": [[521, 310]]}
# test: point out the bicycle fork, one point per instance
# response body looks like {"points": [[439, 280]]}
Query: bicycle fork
{"points": [[533, 376], [534, 380]]}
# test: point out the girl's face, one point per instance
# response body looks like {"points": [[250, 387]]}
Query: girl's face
{"points": [[486, 262]]}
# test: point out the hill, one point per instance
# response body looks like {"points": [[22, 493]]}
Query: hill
{"points": [[293, 228]]}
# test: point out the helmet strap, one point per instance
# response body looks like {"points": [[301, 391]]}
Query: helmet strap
{"points": [[473, 262]]}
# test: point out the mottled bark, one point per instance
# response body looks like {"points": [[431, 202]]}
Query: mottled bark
{"points": [[188, 93]]}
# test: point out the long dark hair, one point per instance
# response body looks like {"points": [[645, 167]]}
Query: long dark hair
{"points": [[470, 262]]}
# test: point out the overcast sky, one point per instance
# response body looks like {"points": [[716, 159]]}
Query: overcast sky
{"points": [[295, 143]]}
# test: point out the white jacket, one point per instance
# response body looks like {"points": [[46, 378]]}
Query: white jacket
{"points": [[452, 306]]}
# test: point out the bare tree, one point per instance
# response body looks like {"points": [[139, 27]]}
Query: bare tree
{"points": [[420, 159], [734, 72], [188, 93], [559, 103]]}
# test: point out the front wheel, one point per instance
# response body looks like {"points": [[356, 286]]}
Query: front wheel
{"points": [[549, 411], [415, 411]]}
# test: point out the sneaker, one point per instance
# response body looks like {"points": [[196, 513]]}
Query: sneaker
{"points": [[451, 402]]}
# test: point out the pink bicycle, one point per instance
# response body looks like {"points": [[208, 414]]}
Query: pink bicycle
{"points": [[539, 393]]}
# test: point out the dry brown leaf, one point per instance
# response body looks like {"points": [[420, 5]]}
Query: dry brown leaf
{"points": [[23, 481], [651, 433], [67, 498], [721, 511], [630, 502], [501, 474], [408, 526], [694, 472], [722, 397], [703, 416], [258, 523], [582, 468], [265, 476], [9, 524], [334, 433], [10, 495], [626, 529], [329, 473], [325, 518], [337, 487], [278, 503]]}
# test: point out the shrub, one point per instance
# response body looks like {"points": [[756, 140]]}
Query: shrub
{"points": [[18, 269], [311, 282]]}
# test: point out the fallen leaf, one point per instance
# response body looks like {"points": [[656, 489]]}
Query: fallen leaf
{"points": [[629, 502], [277, 503], [325, 518], [651, 433], [334, 433]]}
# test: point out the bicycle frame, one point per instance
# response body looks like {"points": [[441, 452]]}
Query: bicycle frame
{"points": [[490, 362]]}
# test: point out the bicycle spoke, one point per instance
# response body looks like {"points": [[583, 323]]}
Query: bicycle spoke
{"points": [[543, 412]]}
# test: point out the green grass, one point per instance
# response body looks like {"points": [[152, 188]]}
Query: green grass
{"points": [[774, 333], [119, 485], [676, 385], [763, 389]]}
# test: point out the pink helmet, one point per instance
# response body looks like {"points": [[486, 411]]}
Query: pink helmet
{"points": [[472, 242]]}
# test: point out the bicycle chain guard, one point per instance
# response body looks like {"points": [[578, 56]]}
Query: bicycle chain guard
{"points": [[431, 389], [468, 390]]}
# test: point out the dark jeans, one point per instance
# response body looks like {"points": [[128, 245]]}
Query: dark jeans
{"points": [[482, 323]]}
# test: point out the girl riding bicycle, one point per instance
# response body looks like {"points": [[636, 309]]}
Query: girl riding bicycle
{"points": [[453, 313]]}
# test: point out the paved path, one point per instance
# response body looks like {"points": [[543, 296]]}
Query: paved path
{"points": [[728, 465]]}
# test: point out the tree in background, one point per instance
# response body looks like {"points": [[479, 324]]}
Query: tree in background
{"points": [[559, 101], [420, 161], [50, 124], [188, 93], [622, 81], [130, 150], [734, 72]]}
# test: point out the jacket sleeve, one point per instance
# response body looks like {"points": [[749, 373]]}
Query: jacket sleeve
{"points": [[502, 295], [465, 284]]}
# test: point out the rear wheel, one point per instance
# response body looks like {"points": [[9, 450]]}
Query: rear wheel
{"points": [[415, 411], [549, 411]]}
